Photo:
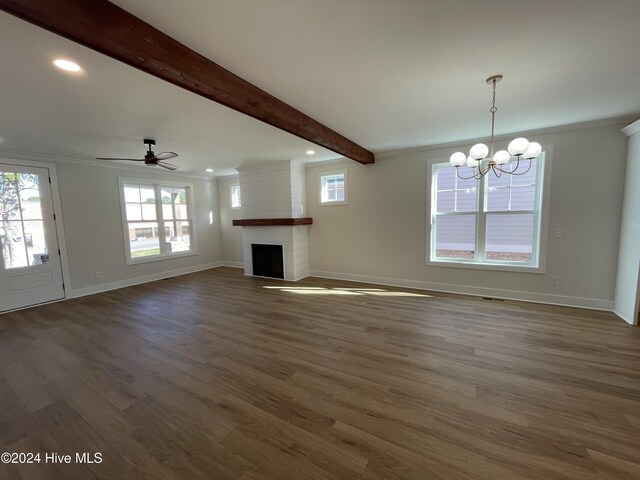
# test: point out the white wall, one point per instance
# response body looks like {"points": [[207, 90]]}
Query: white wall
{"points": [[628, 282], [93, 227], [380, 235], [231, 236]]}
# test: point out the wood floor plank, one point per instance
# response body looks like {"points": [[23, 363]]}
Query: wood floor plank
{"points": [[218, 375]]}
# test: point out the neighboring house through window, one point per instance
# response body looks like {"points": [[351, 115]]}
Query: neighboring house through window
{"points": [[157, 220], [491, 222], [333, 188]]}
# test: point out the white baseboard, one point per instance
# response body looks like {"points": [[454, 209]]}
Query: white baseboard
{"points": [[580, 302], [224, 263], [105, 287]]}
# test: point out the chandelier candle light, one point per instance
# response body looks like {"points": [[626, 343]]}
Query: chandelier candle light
{"points": [[520, 148]]}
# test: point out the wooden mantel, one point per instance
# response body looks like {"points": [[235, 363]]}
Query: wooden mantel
{"points": [[270, 222]]}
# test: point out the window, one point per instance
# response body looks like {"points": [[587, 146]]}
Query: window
{"points": [[493, 222], [235, 197], [333, 188], [157, 220]]}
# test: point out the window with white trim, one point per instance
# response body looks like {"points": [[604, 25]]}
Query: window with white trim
{"points": [[494, 221], [333, 188], [157, 220], [236, 204]]}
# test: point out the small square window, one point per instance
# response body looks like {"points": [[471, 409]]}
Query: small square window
{"points": [[333, 188], [235, 197]]}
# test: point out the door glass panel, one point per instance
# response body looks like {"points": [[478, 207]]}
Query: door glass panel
{"points": [[35, 242], [30, 197], [20, 238], [13, 245]]}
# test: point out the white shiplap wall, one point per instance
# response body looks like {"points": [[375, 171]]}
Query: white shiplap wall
{"points": [[276, 190]]}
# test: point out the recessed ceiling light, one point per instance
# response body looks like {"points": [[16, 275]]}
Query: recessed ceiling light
{"points": [[310, 152], [210, 170], [67, 65]]}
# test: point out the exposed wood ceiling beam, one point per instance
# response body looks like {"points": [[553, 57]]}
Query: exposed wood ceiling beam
{"points": [[108, 29]]}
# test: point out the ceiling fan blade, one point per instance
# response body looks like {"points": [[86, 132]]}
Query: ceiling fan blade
{"points": [[168, 166], [128, 159], [164, 156]]}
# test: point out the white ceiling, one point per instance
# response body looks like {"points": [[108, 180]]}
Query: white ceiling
{"points": [[386, 74]]}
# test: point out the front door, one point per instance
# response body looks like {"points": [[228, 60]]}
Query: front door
{"points": [[30, 268]]}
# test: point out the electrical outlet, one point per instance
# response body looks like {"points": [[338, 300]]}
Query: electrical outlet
{"points": [[558, 233], [390, 267], [555, 281], [98, 274], [325, 261]]}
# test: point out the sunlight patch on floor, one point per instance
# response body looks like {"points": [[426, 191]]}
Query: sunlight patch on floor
{"points": [[380, 292]]}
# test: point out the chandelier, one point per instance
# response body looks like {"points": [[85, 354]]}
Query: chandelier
{"points": [[501, 161]]}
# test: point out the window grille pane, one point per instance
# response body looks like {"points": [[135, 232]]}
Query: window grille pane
{"points": [[180, 196], [466, 198], [523, 198], [131, 194], [445, 179], [134, 211], [148, 211], [455, 236], [509, 237], [143, 239], [445, 201], [181, 212], [528, 178], [167, 212], [178, 236], [147, 195], [498, 199]]}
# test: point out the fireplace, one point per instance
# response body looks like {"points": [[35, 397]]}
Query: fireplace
{"points": [[276, 222], [267, 260]]}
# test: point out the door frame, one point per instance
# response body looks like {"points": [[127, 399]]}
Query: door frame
{"points": [[59, 222]]}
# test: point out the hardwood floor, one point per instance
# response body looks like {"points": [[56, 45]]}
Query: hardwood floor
{"points": [[215, 376]]}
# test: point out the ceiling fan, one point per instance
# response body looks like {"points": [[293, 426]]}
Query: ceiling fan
{"points": [[151, 158]]}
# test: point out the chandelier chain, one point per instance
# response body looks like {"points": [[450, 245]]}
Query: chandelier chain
{"points": [[493, 111]]}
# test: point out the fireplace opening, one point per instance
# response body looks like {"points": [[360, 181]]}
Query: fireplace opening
{"points": [[267, 260]]}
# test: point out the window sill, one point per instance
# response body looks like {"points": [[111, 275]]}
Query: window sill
{"points": [[159, 258], [502, 267], [331, 204]]}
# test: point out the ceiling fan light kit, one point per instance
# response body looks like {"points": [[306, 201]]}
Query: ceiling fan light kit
{"points": [[150, 157], [520, 148]]}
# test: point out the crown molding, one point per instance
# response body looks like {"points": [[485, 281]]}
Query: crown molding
{"points": [[606, 122], [632, 128]]}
